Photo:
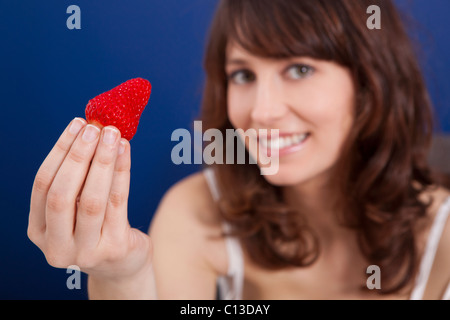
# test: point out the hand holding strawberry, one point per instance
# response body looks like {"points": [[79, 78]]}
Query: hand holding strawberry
{"points": [[79, 200]]}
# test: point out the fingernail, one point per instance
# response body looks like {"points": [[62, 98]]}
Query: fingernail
{"points": [[76, 125], [122, 147], [110, 135], [90, 133]]}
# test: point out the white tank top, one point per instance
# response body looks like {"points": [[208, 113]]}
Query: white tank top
{"points": [[230, 286]]}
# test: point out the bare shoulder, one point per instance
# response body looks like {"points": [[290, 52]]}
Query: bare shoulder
{"points": [[192, 201], [188, 253], [440, 273]]}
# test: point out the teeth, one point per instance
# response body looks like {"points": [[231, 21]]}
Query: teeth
{"points": [[283, 142]]}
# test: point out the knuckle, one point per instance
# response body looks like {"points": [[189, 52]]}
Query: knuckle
{"points": [[42, 181], [57, 260], [124, 167], [105, 159], [59, 254], [86, 260], [76, 155], [117, 253], [56, 201], [53, 261], [34, 235], [62, 146], [116, 199], [91, 205]]}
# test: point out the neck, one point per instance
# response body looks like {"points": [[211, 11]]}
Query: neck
{"points": [[319, 203]]}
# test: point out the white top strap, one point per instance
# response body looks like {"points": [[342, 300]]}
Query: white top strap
{"points": [[231, 285], [447, 293], [430, 252], [211, 180], [235, 266]]}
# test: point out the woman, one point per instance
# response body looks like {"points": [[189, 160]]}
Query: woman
{"points": [[353, 188]]}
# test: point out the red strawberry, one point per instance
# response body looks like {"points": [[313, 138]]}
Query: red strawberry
{"points": [[120, 107]]}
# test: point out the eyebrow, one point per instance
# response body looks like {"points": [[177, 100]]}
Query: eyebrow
{"points": [[236, 61]]}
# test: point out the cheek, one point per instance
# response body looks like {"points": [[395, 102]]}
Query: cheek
{"points": [[334, 123], [237, 111], [335, 128], [338, 119], [328, 107], [331, 137]]}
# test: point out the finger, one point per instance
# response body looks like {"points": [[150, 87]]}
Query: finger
{"points": [[116, 220], [47, 172], [94, 196], [61, 199]]}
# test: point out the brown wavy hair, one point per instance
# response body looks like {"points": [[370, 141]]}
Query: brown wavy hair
{"points": [[383, 166]]}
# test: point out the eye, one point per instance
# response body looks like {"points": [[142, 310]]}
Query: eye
{"points": [[241, 77], [299, 71]]}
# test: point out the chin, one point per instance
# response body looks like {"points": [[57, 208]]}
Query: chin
{"points": [[287, 178]]}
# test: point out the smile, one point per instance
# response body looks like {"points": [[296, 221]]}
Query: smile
{"points": [[284, 144]]}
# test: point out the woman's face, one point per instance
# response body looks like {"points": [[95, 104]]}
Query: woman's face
{"points": [[302, 97]]}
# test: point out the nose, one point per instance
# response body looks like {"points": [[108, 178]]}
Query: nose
{"points": [[268, 105]]}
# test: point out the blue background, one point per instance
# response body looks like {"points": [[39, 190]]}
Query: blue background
{"points": [[48, 73]]}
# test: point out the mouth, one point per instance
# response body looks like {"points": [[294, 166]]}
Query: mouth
{"points": [[284, 143]]}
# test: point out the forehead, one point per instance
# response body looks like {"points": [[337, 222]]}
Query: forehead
{"points": [[236, 55], [235, 50]]}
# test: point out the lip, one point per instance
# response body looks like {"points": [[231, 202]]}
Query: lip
{"points": [[281, 135], [284, 151]]}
